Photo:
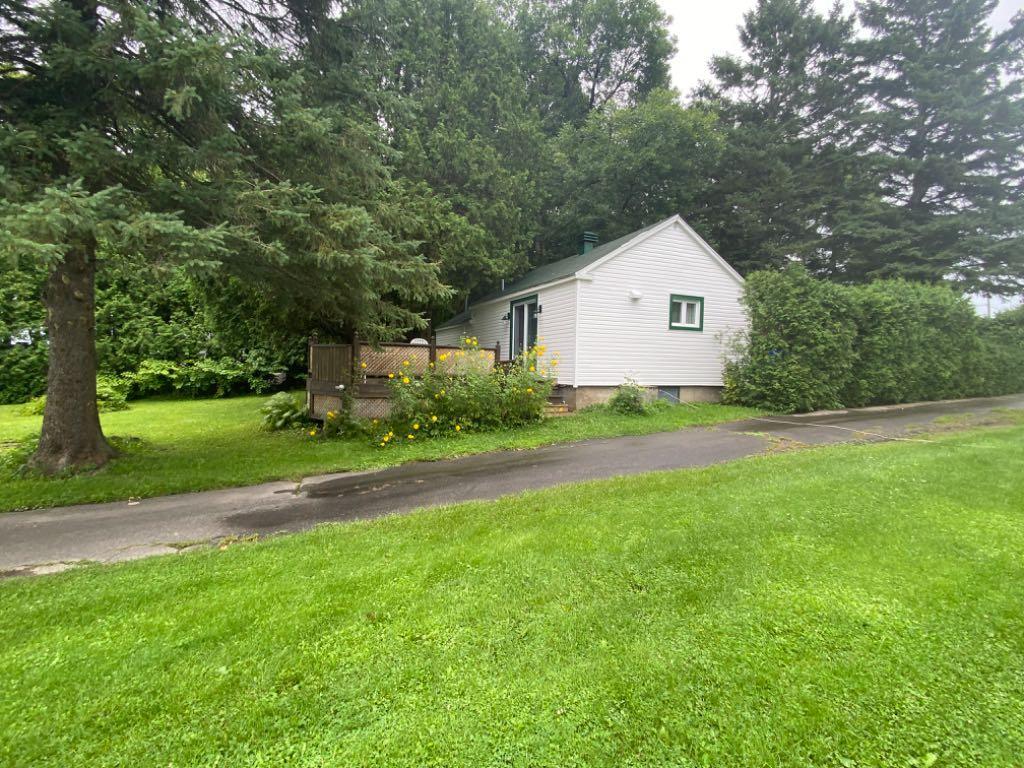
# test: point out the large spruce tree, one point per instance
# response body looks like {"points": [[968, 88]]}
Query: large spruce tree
{"points": [[144, 129], [787, 160], [943, 130]]}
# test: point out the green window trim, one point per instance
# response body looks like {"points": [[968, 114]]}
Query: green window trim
{"points": [[681, 299]]}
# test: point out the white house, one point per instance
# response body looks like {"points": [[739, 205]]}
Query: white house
{"points": [[657, 306]]}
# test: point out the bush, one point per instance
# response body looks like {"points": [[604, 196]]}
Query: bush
{"points": [[111, 395], [813, 344], [284, 411], [153, 377], [470, 395], [1002, 355], [798, 353], [629, 399], [22, 371], [197, 378]]}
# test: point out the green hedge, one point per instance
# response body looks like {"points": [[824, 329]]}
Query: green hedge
{"points": [[814, 344]]}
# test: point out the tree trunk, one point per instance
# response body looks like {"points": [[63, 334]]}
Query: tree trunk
{"points": [[72, 438]]}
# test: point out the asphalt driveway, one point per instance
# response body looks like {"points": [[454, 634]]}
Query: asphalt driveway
{"points": [[41, 541]]}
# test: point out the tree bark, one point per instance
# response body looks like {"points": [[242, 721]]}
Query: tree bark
{"points": [[72, 438]]}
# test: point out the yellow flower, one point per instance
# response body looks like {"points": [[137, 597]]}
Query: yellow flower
{"points": [[362, 365], [533, 369], [391, 375], [554, 362], [433, 418], [405, 363], [442, 392], [443, 357], [415, 426], [312, 433], [431, 365], [405, 379], [529, 390], [458, 427], [383, 444], [411, 437], [331, 414], [437, 397], [375, 421]]}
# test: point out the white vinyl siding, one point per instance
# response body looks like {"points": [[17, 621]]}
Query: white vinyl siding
{"points": [[624, 324], [554, 325]]}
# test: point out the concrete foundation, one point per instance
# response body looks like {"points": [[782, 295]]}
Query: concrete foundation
{"points": [[581, 397]]}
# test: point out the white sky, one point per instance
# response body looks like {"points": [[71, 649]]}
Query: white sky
{"points": [[706, 27]]}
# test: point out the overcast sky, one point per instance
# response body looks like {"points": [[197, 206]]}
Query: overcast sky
{"points": [[706, 27]]}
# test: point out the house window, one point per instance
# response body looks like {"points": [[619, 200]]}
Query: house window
{"points": [[686, 313]]}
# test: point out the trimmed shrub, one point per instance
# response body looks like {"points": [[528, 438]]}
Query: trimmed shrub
{"points": [[799, 351], [813, 344], [914, 342], [1002, 352]]}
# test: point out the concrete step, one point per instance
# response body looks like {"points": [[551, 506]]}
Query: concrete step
{"points": [[556, 409]]}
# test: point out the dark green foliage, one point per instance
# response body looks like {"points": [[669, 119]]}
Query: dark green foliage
{"points": [[111, 395], [195, 378], [814, 344], [143, 313], [785, 159], [22, 372], [914, 342], [284, 411], [1002, 339], [630, 400], [625, 168], [22, 336], [942, 124], [892, 148], [800, 350]]}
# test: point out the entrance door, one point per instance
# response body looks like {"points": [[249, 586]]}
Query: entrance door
{"points": [[524, 325]]}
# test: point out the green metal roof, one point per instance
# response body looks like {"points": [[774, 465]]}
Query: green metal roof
{"points": [[548, 273]]}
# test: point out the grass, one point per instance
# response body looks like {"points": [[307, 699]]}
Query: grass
{"points": [[189, 445], [843, 606]]}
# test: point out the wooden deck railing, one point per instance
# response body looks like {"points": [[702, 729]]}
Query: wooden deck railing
{"points": [[363, 368]]}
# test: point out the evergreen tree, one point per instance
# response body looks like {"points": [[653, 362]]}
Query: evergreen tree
{"points": [[124, 128], [788, 158], [943, 124]]}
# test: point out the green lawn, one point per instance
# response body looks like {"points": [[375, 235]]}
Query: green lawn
{"points": [[845, 606], [190, 445]]}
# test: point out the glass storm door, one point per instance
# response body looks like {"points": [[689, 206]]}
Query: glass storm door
{"points": [[524, 325]]}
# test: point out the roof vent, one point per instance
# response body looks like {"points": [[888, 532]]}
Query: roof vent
{"points": [[587, 241]]}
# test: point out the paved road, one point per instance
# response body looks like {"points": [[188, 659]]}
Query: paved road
{"points": [[41, 541]]}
